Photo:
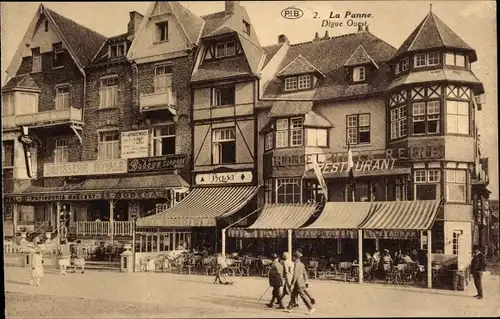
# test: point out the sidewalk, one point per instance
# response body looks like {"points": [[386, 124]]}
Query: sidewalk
{"points": [[172, 295]]}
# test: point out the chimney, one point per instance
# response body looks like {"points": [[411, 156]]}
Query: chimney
{"points": [[327, 36], [316, 37], [134, 23], [230, 6], [283, 39]]}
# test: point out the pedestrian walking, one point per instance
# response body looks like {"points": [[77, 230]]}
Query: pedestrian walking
{"points": [[276, 281], [477, 266], [36, 267], [294, 301], [287, 273], [64, 258], [298, 285]]}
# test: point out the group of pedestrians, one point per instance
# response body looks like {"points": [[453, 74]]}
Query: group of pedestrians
{"points": [[291, 274]]}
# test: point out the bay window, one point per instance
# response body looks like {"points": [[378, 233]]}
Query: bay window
{"points": [[109, 92], [163, 78], [427, 184], [8, 104], [164, 140], [427, 59], [109, 145], [358, 129], [297, 132], [8, 153], [317, 137], [426, 117], [28, 103], [224, 146], [399, 122], [62, 97], [282, 133], [288, 190], [61, 151], [456, 185], [455, 59], [457, 117]]}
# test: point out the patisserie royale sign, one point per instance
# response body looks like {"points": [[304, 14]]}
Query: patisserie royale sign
{"points": [[118, 166]]}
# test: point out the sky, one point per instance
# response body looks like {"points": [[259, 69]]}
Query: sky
{"points": [[392, 21]]}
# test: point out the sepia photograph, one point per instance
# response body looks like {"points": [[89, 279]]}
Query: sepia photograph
{"points": [[250, 159]]}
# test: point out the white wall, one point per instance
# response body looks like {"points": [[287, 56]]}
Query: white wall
{"points": [[43, 40]]}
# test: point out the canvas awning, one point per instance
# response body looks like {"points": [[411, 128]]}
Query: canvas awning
{"points": [[275, 220], [338, 220], [401, 219], [202, 207]]}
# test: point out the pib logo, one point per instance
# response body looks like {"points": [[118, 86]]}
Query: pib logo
{"points": [[292, 13]]}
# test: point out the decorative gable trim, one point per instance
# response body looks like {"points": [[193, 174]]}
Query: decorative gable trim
{"points": [[350, 61], [280, 73]]}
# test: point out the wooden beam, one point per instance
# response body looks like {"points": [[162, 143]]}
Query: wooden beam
{"points": [[360, 255], [429, 259]]}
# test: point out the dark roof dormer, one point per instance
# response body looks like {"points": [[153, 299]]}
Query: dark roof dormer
{"points": [[299, 75], [359, 66]]}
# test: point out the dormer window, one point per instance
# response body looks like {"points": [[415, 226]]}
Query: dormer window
{"points": [[225, 49], [359, 74], [301, 82], [58, 55], [427, 59], [455, 59], [246, 27], [403, 66], [161, 32], [117, 50]]}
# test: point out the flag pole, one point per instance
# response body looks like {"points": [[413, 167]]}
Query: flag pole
{"points": [[350, 167]]}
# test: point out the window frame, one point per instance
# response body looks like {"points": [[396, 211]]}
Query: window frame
{"points": [[296, 128], [20, 111], [8, 106], [65, 96], [116, 46], [58, 51], [282, 132], [158, 139], [217, 95], [283, 182], [102, 142], [268, 141], [457, 115], [451, 180], [217, 144], [166, 77], [426, 117], [225, 45], [359, 76], [316, 143], [61, 150], [36, 60], [11, 145], [425, 179], [109, 91], [398, 121], [357, 127], [161, 27]]}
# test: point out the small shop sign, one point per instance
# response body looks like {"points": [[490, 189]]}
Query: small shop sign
{"points": [[117, 166], [99, 195], [156, 163], [135, 144], [239, 177]]}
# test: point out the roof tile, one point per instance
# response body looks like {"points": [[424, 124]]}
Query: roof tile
{"points": [[221, 69]]}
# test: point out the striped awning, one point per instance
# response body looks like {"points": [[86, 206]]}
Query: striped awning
{"points": [[202, 207], [338, 220], [404, 215], [275, 220]]}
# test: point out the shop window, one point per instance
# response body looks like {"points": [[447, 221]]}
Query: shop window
{"points": [[358, 129], [427, 184], [58, 55], [268, 189], [26, 215], [27, 104], [109, 145], [281, 133], [426, 117], [399, 122], [62, 97], [317, 137], [109, 92], [296, 131], [456, 240], [117, 50], [224, 146], [163, 78], [223, 96], [456, 185], [61, 151], [161, 31], [8, 153], [288, 190], [359, 74], [268, 141], [8, 105], [36, 60], [457, 117], [362, 192], [164, 140]]}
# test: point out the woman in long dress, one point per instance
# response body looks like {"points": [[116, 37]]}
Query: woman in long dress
{"points": [[36, 267]]}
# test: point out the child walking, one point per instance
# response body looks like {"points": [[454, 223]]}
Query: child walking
{"points": [[36, 267]]}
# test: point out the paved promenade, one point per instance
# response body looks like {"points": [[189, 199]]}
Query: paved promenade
{"points": [[161, 295]]}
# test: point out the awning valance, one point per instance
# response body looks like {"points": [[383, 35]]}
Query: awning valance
{"points": [[404, 215], [338, 220], [275, 220], [127, 187], [202, 207]]}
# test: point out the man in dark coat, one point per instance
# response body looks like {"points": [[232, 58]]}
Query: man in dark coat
{"points": [[276, 281], [477, 266], [298, 284]]}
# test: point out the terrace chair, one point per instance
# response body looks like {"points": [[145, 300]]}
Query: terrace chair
{"points": [[266, 266], [312, 267], [389, 278], [191, 264], [208, 265], [245, 267], [232, 266]]}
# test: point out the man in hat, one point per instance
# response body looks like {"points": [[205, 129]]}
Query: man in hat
{"points": [[276, 281], [294, 301], [298, 284], [477, 266]]}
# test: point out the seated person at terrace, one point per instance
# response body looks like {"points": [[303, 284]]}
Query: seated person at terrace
{"points": [[387, 259], [406, 258]]}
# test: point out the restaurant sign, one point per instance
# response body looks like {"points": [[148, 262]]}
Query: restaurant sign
{"points": [[117, 166], [239, 177], [87, 196], [135, 144], [156, 163]]}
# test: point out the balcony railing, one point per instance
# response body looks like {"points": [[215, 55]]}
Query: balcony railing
{"points": [[157, 101], [40, 118], [120, 228]]}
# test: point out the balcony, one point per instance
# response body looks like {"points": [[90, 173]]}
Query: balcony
{"points": [[157, 101], [52, 117], [120, 228]]}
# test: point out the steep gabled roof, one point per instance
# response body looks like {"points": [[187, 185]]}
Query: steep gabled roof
{"points": [[299, 65], [81, 42], [103, 55], [432, 33], [213, 21], [360, 57]]}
